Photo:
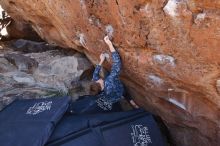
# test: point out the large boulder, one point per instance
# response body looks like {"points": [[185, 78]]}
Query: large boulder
{"points": [[59, 73], [169, 49], [41, 73]]}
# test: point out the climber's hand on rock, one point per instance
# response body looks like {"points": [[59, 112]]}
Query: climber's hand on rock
{"points": [[102, 59], [107, 41]]}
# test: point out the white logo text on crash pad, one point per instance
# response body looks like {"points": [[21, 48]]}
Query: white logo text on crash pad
{"points": [[140, 135], [39, 107]]}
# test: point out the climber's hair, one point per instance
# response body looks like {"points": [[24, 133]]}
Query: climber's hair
{"points": [[95, 88]]}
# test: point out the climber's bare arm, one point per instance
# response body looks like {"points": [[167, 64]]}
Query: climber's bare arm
{"points": [[96, 76], [116, 65], [102, 59], [109, 43]]}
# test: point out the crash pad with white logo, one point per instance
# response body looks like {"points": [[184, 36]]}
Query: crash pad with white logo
{"points": [[128, 128], [30, 122]]}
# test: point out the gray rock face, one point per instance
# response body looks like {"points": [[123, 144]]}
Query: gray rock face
{"points": [[27, 73], [24, 78], [60, 72], [23, 63], [6, 66]]}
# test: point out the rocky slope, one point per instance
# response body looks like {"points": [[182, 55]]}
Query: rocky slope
{"points": [[169, 48]]}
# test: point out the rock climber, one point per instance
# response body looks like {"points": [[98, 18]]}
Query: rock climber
{"points": [[109, 90]]}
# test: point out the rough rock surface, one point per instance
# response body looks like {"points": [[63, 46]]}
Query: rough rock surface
{"points": [[169, 48], [25, 74], [19, 29], [23, 63]]}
